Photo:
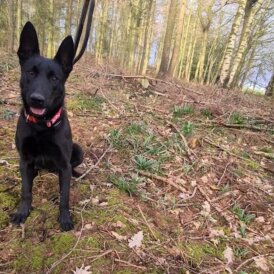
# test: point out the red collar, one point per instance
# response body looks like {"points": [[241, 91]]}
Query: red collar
{"points": [[48, 123]]}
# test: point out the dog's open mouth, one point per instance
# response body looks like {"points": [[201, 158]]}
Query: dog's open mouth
{"points": [[38, 111]]}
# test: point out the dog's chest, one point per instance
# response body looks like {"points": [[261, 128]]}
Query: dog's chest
{"points": [[42, 150]]}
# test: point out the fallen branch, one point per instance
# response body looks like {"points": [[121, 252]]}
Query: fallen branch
{"points": [[146, 222], [237, 156], [252, 259], [227, 216], [239, 126], [94, 166], [139, 77], [130, 264], [162, 179]]}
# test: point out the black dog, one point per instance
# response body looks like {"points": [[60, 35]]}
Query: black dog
{"points": [[43, 136]]}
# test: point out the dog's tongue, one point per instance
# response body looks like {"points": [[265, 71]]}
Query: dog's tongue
{"points": [[38, 111]]}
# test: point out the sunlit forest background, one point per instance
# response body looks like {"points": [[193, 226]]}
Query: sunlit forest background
{"points": [[206, 41]]}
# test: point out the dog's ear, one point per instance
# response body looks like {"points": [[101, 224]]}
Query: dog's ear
{"points": [[65, 55], [29, 45]]}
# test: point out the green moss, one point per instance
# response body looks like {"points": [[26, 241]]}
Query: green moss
{"points": [[7, 201], [93, 242], [31, 259], [84, 102], [124, 271], [84, 187], [114, 197], [100, 264], [4, 219], [62, 243], [198, 252]]}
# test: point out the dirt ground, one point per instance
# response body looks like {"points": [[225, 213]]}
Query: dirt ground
{"points": [[177, 178]]}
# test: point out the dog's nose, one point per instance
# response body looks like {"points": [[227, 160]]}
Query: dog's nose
{"points": [[37, 98]]}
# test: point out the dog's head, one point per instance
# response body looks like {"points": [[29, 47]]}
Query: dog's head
{"points": [[42, 80]]}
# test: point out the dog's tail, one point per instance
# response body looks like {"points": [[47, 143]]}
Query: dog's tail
{"points": [[77, 158]]}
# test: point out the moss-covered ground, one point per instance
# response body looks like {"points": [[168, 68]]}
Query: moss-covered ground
{"points": [[189, 166]]}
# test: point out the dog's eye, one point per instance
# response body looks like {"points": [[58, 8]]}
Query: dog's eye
{"points": [[53, 78], [31, 73]]}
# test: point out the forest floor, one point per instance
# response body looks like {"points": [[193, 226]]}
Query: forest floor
{"points": [[179, 178]]}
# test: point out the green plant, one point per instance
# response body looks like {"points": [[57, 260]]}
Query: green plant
{"points": [[243, 230], [240, 252], [8, 114], [207, 113], [225, 188], [179, 111], [143, 163], [136, 128], [187, 128], [236, 118], [242, 215], [129, 186], [115, 138]]}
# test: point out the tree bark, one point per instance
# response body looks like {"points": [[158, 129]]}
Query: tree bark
{"points": [[270, 87], [168, 39], [178, 35], [224, 74], [250, 11]]}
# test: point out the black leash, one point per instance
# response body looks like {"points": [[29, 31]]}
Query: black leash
{"points": [[88, 8]]}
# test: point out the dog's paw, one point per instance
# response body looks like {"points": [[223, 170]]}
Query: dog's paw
{"points": [[66, 222], [18, 218]]}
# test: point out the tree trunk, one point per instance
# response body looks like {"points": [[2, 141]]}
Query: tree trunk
{"points": [[178, 35], [19, 19], [270, 87], [168, 39], [224, 74], [68, 22], [250, 11], [50, 50], [11, 24], [147, 39]]}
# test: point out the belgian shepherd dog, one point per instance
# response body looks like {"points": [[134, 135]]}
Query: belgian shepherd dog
{"points": [[43, 135]]}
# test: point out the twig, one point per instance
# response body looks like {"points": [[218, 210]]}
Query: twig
{"points": [[228, 217], [130, 264], [245, 127], [140, 77], [237, 156], [266, 155], [73, 248], [188, 150], [146, 222], [219, 182], [94, 166], [162, 179], [251, 259], [100, 255]]}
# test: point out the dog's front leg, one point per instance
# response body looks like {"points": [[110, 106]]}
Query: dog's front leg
{"points": [[64, 181], [28, 173]]}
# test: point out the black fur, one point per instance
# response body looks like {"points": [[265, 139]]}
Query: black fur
{"points": [[42, 87]]}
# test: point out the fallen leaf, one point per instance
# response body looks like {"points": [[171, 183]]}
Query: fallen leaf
{"points": [[119, 224], [136, 240], [82, 270], [260, 219], [84, 202], [229, 255], [144, 83], [216, 233], [261, 262], [118, 236], [206, 209]]}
